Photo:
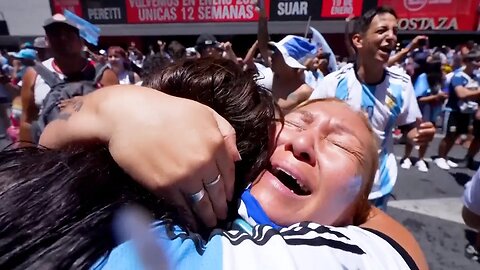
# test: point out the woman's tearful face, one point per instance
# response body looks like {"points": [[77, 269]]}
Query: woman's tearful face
{"points": [[317, 168]]}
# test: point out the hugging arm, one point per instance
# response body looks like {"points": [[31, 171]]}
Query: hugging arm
{"points": [[110, 116]]}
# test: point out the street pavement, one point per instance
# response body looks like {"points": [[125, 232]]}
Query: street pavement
{"points": [[429, 205]]}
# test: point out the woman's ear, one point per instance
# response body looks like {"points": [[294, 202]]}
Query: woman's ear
{"points": [[357, 41]]}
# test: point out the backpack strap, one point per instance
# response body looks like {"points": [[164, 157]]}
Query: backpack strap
{"points": [[99, 69], [51, 78], [131, 77]]}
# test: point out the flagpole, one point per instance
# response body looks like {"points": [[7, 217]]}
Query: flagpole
{"points": [[308, 26]]}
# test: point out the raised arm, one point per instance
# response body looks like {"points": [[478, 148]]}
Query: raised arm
{"points": [[229, 53], [160, 156], [404, 52], [29, 109], [248, 60], [262, 35]]}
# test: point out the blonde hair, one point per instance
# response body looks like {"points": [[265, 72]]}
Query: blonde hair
{"points": [[368, 168]]}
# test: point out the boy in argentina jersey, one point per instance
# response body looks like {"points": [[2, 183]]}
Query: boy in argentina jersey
{"points": [[384, 94]]}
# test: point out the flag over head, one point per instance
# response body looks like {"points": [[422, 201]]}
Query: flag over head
{"points": [[295, 50], [320, 42]]}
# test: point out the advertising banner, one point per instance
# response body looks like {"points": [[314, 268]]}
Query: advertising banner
{"points": [[294, 10], [58, 6], [104, 11], [208, 11], [420, 15], [341, 8], [183, 11]]}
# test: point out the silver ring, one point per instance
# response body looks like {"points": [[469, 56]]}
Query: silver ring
{"points": [[196, 197], [214, 182]]}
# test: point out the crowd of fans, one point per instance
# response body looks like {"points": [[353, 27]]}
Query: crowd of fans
{"points": [[201, 138]]}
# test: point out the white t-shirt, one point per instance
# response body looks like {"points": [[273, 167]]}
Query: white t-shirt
{"points": [[265, 76], [471, 195], [41, 88], [124, 78], [313, 78], [390, 103], [300, 246]]}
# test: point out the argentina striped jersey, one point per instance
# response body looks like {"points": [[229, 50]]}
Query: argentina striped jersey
{"points": [[301, 246], [391, 102]]}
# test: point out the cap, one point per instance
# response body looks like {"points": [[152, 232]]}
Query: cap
{"points": [[206, 40], [191, 52], [59, 19], [295, 50], [420, 56], [26, 45], [29, 54], [40, 43]]}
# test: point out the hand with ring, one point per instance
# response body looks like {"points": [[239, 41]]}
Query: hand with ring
{"points": [[215, 187], [185, 151]]}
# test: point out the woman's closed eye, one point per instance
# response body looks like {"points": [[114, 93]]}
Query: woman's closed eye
{"points": [[295, 124], [347, 148]]}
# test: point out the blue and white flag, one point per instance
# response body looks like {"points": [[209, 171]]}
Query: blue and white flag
{"points": [[320, 42], [88, 31]]}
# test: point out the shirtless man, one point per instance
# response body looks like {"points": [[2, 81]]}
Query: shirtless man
{"points": [[287, 65]]}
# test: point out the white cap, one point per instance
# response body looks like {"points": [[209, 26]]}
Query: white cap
{"points": [[295, 50]]}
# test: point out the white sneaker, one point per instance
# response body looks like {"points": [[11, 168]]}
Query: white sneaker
{"points": [[452, 164], [406, 164], [442, 164], [422, 165]]}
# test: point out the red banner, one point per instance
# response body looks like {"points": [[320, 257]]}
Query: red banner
{"points": [[58, 6], [177, 11], [435, 14], [341, 8]]}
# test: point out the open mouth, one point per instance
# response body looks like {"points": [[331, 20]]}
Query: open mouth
{"points": [[386, 50], [290, 182]]}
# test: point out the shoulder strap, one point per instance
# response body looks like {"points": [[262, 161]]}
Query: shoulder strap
{"points": [[131, 77], [51, 78], [99, 70], [402, 251]]}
